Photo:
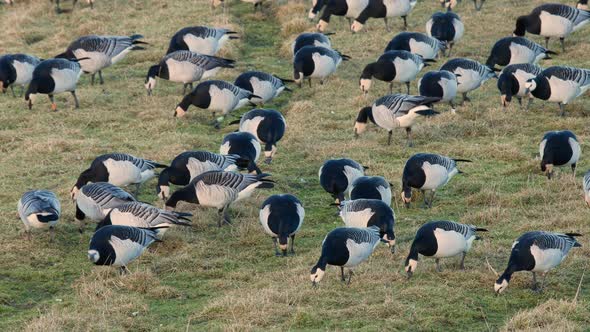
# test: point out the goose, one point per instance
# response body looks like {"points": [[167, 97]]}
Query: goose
{"points": [[440, 84], [552, 20], [185, 67], [452, 3], [119, 245], [441, 239], [427, 171], [96, 200], [384, 9], [245, 146], [345, 247], [418, 43], [350, 9], [470, 74], [216, 96], [582, 4], [362, 212], [16, 69], [538, 252], [559, 149], [119, 169], [219, 189], [101, 52], [392, 66], [512, 82], [316, 62], [200, 39], [59, 10], [54, 76], [560, 84], [268, 126], [281, 217], [392, 111], [337, 175], [446, 27], [311, 39], [187, 165], [586, 186], [316, 7], [263, 85], [515, 50], [371, 187], [39, 209]]}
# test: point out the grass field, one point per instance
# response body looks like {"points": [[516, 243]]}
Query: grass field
{"points": [[228, 278]]}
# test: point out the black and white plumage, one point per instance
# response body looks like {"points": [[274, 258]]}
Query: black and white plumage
{"points": [[265, 86], [52, 77], [370, 212], [427, 172], [586, 187], [187, 165], [515, 50], [552, 20], [337, 175], [316, 62], [311, 39], [538, 252], [439, 84], [559, 149], [16, 69], [418, 43], [185, 67], [268, 126], [101, 52], [371, 187], [245, 146], [345, 247], [350, 9], [470, 74], [281, 217], [39, 209], [200, 39], [441, 239], [58, 7], [96, 200], [393, 111], [582, 4], [446, 27], [384, 9], [512, 82], [219, 189]]}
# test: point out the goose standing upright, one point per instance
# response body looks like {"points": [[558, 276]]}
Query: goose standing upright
{"points": [[512, 82], [446, 27], [370, 212], [16, 69], [384, 9], [200, 39], [559, 149], [245, 146], [281, 217], [470, 74], [316, 62], [39, 209], [350, 9], [96, 200], [440, 84], [418, 43], [371, 187], [336, 176], [268, 126], [515, 50], [263, 85], [311, 39]]}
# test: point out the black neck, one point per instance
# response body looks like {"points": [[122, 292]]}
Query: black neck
{"points": [[186, 194], [365, 114], [84, 178]]}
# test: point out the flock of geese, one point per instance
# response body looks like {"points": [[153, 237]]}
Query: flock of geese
{"points": [[126, 227]]}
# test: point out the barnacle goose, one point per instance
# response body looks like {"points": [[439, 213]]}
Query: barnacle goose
{"points": [[586, 186], [418, 43], [397, 110], [371, 187], [384, 9], [219, 189], [441, 239], [470, 74], [453, 3], [185, 67], [439, 84], [16, 69], [512, 82], [392, 66], [582, 4], [39, 209], [101, 52], [245, 146], [336, 176], [514, 50], [187, 165], [538, 252], [558, 149], [370, 212], [59, 10], [350, 9], [552, 20], [268, 126], [316, 62], [200, 39], [281, 217], [345, 247], [446, 27], [311, 39], [560, 84], [95, 201], [265, 86], [426, 171]]}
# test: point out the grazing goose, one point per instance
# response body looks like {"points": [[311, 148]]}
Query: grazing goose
{"points": [[552, 20], [345, 247], [119, 245], [281, 217], [187, 165], [316, 62], [538, 252], [384, 9], [371, 187], [265, 86], [350, 9], [185, 67], [39, 209], [453, 3], [16, 69], [216, 96], [316, 7], [559, 149], [119, 169], [200, 39], [311, 39], [268, 126], [54, 76], [370, 212], [560, 84], [426, 171], [392, 111], [393, 66], [219, 189], [96, 200], [446, 27], [470, 74], [336, 176], [586, 185], [417, 43], [101, 52], [245, 146], [582, 4], [514, 50], [512, 82], [441, 239], [440, 84], [59, 10]]}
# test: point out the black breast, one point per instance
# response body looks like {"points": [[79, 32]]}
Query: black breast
{"points": [[430, 86], [414, 175]]}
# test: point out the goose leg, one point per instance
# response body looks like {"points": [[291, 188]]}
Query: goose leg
{"points": [[450, 49], [535, 286], [92, 79], [391, 87], [465, 99], [350, 273], [101, 81], [519, 101], [408, 87], [543, 282], [438, 268], [350, 21], [293, 244], [191, 86], [462, 265], [224, 216], [309, 79], [12, 90], [389, 134], [547, 42], [453, 110], [574, 170], [431, 199], [405, 18], [529, 104], [76, 102], [277, 253], [28, 235], [409, 134], [342, 274], [22, 90], [51, 234], [561, 109], [562, 41], [184, 89], [386, 24], [137, 188], [425, 199], [123, 270]]}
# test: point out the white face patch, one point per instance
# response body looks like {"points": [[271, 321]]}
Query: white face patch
{"points": [[356, 26], [317, 276], [311, 14], [74, 192], [365, 84], [499, 288], [322, 25], [151, 84], [93, 256], [164, 192], [412, 264], [180, 112], [530, 85], [359, 128]]}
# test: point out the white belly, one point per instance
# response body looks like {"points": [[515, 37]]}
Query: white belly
{"points": [[251, 126], [450, 243], [449, 89], [125, 250], [263, 89], [356, 218], [468, 81], [222, 100], [207, 46], [92, 210], [64, 79], [436, 176], [547, 259], [182, 71], [355, 7], [563, 91], [196, 167], [521, 54], [122, 173], [405, 70], [358, 252], [397, 7], [522, 77], [423, 49], [383, 118], [324, 66], [555, 25], [97, 61], [24, 72], [214, 195]]}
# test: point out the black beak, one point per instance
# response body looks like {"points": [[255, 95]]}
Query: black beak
{"points": [[409, 274], [268, 160], [407, 205], [393, 249]]}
